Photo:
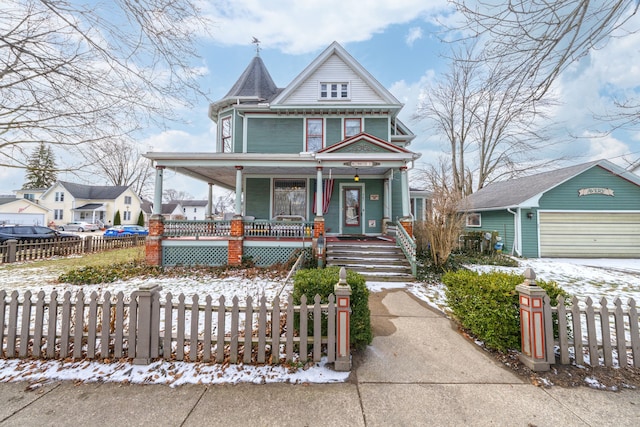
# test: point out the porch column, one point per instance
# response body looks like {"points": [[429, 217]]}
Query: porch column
{"points": [[386, 204], [319, 194], [209, 210], [157, 195], [404, 183], [153, 243], [238, 190]]}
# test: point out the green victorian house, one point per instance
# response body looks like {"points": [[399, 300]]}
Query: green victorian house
{"points": [[324, 156]]}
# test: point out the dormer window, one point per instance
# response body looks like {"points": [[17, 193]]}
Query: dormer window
{"points": [[334, 90]]}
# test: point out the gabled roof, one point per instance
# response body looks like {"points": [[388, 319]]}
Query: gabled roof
{"points": [[526, 191], [8, 199], [189, 202], [93, 192], [170, 208], [336, 49], [363, 142]]}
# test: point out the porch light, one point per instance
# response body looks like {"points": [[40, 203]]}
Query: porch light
{"points": [[356, 178]]}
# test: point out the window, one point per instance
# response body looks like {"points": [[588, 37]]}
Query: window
{"points": [[337, 90], [195, 210], [127, 216], [314, 135], [227, 143], [57, 213], [289, 197], [352, 127], [59, 196], [29, 196], [127, 200], [474, 220]]}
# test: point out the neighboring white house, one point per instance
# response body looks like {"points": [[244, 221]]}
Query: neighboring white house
{"points": [[194, 209], [172, 210], [21, 211], [67, 201]]}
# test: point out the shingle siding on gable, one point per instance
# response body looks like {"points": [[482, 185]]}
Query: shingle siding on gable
{"points": [[565, 196], [334, 69], [275, 135]]}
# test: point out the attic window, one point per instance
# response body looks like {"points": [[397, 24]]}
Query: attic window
{"points": [[334, 90]]}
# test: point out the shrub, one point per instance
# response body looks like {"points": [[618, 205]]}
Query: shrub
{"points": [[116, 219], [487, 305], [140, 219], [321, 282]]}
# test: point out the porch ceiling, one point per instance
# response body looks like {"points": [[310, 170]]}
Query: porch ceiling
{"points": [[220, 169], [225, 176]]}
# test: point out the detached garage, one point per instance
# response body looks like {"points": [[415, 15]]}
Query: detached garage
{"points": [[21, 212], [590, 210]]}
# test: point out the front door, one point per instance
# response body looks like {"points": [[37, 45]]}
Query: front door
{"points": [[352, 212]]}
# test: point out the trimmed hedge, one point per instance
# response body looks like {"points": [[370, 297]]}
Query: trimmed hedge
{"points": [[321, 282], [487, 305]]}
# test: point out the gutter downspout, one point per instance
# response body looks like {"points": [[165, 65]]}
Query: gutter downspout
{"points": [[517, 231]]}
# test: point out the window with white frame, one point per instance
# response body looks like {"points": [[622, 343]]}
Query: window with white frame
{"points": [[352, 127], [29, 196], [334, 90], [127, 216], [474, 220], [59, 196], [226, 135], [290, 197], [57, 214], [127, 200], [314, 135]]}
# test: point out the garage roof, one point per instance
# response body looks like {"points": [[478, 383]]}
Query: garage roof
{"points": [[523, 192]]}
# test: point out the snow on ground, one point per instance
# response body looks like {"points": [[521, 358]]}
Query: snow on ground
{"points": [[594, 278]]}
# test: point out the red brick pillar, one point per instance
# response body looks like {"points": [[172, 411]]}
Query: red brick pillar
{"points": [[235, 249], [318, 227], [154, 240], [407, 224]]}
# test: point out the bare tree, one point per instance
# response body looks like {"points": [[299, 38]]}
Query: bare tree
{"points": [[171, 194], [487, 117], [445, 222], [121, 163], [74, 72], [541, 38]]}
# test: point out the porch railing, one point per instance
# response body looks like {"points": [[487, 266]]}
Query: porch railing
{"points": [[278, 229], [408, 246], [255, 228], [202, 228]]}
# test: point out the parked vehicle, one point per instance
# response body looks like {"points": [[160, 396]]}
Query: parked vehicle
{"points": [[32, 232], [78, 226], [126, 230]]}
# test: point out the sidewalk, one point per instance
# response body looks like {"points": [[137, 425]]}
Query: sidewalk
{"points": [[418, 371]]}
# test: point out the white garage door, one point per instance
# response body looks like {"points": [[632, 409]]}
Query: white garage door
{"points": [[590, 234], [22, 218]]}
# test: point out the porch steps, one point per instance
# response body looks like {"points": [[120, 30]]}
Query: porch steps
{"points": [[377, 260]]}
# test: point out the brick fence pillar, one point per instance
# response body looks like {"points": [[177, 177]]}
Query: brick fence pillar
{"points": [[536, 353], [236, 241], [153, 242], [342, 290]]}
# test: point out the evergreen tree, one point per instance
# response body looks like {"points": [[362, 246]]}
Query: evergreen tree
{"points": [[141, 219], [41, 169], [117, 220]]}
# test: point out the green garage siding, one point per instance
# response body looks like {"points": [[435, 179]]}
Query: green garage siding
{"points": [[565, 196], [275, 135], [258, 193], [500, 221]]}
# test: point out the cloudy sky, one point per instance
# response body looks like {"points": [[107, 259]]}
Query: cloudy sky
{"points": [[398, 43]]}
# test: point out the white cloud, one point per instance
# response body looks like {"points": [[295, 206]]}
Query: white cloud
{"points": [[296, 27], [415, 33]]}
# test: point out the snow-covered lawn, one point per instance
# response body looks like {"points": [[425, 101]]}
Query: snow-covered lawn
{"points": [[594, 278]]}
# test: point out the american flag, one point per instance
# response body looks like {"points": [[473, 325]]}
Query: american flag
{"points": [[327, 191]]}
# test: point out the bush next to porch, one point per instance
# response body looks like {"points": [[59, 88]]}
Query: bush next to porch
{"points": [[321, 282], [487, 305]]}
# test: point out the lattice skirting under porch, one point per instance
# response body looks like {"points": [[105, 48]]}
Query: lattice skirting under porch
{"points": [[194, 255]]}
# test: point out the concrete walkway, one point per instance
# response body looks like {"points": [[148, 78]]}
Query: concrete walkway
{"points": [[418, 371]]}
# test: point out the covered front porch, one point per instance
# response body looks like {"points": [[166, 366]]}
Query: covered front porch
{"points": [[283, 202]]}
